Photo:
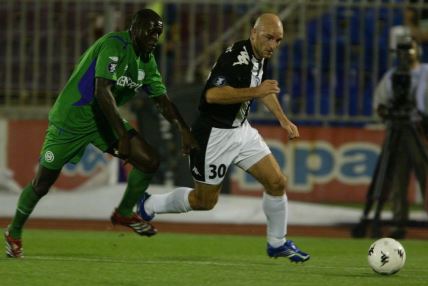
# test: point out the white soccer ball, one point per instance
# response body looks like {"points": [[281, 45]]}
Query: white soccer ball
{"points": [[386, 256]]}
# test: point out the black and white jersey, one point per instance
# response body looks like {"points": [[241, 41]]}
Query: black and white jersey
{"points": [[236, 67]]}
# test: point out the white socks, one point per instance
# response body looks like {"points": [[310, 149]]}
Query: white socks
{"points": [[176, 201], [275, 209]]}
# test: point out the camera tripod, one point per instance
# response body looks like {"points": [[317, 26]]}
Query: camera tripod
{"points": [[402, 135]]}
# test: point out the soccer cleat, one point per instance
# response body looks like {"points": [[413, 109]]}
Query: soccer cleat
{"points": [[135, 222], [140, 208], [13, 246], [289, 250]]}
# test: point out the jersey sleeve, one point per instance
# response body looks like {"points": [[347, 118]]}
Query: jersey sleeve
{"points": [[109, 59], [152, 83], [222, 73]]}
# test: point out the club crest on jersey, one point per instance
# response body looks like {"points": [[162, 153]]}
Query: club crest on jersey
{"points": [[49, 156], [243, 58], [219, 81]]}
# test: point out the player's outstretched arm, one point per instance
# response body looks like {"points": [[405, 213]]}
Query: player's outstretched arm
{"points": [[171, 113], [230, 95], [107, 103], [272, 103]]}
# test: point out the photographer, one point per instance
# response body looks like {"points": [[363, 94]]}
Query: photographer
{"points": [[401, 100]]}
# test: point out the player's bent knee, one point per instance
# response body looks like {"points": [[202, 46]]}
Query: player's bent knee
{"points": [[204, 197], [203, 204], [277, 186], [44, 180], [41, 188]]}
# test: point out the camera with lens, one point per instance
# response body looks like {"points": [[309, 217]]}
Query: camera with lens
{"points": [[402, 103]]}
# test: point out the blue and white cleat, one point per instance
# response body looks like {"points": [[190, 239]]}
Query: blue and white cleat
{"points": [[289, 250], [140, 208]]}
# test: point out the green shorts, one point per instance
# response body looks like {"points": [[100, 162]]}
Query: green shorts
{"points": [[61, 146]]}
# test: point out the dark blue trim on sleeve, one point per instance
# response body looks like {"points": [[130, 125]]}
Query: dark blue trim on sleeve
{"points": [[87, 86]]}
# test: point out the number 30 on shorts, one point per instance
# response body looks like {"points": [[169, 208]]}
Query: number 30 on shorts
{"points": [[215, 171]]}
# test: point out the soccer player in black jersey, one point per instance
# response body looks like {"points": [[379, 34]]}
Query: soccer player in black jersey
{"points": [[225, 137]]}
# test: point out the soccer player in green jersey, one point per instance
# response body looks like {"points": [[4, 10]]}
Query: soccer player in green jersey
{"points": [[109, 74]]}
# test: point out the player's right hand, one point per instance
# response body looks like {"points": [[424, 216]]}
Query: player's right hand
{"points": [[188, 142], [267, 87]]}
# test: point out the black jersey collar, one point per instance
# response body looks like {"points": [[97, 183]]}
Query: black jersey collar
{"points": [[249, 47]]}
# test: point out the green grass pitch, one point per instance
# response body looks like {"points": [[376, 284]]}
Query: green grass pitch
{"points": [[122, 258]]}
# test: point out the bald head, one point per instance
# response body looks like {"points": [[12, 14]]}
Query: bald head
{"points": [[268, 19], [266, 35]]}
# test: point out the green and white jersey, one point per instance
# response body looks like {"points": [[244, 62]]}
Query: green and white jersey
{"points": [[111, 57]]}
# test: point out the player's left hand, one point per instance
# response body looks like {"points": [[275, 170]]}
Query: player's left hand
{"points": [[188, 142], [291, 128]]}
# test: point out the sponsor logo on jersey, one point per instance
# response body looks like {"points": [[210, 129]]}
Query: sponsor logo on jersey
{"points": [[125, 81], [243, 58], [49, 156], [219, 81]]}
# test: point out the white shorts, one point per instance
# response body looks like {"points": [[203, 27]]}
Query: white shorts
{"points": [[242, 146]]}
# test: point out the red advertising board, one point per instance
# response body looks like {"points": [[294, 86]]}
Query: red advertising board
{"points": [[326, 164]]}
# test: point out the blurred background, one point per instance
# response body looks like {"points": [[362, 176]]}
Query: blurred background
{"points": [[333, 55]]}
